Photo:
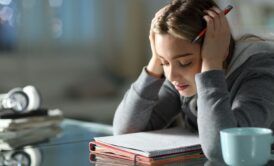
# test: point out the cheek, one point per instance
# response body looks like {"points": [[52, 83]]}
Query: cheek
{"points": [[167, 71], [196, 68], [184, 74]]}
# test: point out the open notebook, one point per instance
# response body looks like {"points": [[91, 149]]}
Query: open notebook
{"points": [[153, 143]]}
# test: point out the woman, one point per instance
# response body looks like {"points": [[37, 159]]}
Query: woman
{"points": [[215, 83]]}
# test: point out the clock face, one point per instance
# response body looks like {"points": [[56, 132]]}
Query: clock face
{"points": [[18, 101]]}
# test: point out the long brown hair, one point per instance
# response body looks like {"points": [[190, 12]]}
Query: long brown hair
{"points": [[184, 19]]}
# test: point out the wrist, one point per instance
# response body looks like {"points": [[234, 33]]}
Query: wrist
{"points": [[154, 74], [207, 66], [154, 68]]}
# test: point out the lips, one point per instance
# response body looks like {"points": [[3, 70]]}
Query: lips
{"points": [[181, 87]]}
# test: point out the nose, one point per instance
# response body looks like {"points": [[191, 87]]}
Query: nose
{"points": [[173, 74]]}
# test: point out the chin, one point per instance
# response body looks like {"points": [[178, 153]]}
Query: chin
{"points": [[187, 93]]}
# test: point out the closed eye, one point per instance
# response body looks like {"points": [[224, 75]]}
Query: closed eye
{"points": [[185, 64]]}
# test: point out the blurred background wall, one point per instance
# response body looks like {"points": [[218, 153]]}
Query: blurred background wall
{"points": [[83, 54]]}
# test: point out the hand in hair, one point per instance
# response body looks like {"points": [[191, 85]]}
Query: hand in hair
{"points": [[154, 67], [216, 43]]}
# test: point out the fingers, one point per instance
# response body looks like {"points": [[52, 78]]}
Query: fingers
{"points": [[215, 17], [156, 17], [151, 33], [152, 24], [217, 37], [223, 21], [210, 26], [152, 36], [216, 20], [154, 20], [160, 12]]}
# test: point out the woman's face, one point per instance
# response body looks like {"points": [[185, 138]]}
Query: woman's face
{"points": [[181, 60]]}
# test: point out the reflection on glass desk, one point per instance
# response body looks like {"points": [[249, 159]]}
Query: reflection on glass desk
{"points": [[98, 161], [69, 147]]}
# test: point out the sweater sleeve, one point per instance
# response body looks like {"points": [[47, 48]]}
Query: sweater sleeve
{"points": [[149, 104], [252, 105]]}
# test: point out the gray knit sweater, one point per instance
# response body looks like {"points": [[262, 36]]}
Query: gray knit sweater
{"points": [[243, 96]]}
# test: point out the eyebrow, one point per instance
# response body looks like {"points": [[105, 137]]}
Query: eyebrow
{"points": [[178, 56]]}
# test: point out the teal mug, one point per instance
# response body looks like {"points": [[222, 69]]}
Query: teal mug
{"points": [[246, 146]]}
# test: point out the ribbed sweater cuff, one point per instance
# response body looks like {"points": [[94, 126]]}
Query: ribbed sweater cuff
{"points": [[148, 86], [210, 79]]}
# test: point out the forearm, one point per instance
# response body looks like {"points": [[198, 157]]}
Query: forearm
{"points": [[134, 112], [214, 110]]}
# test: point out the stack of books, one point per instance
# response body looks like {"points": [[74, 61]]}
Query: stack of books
{"points": [[18, 130], [147, 148]]}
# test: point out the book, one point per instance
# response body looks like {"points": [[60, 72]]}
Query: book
{"points": [[53, 117], [160, 146], [30, 136]]}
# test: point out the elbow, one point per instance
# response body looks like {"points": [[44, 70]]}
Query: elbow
{"points": [[211, 146], [213, 152], [120, 128], [123, 130], [119, 131]]}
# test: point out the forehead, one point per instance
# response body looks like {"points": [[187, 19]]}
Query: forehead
{"points": [[168, 46]]}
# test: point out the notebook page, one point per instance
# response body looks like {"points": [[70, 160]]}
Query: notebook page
{"points": [[155, 143]]}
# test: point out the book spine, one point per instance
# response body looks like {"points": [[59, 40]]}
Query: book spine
{"points": [[92, 146], [97, 147]]}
